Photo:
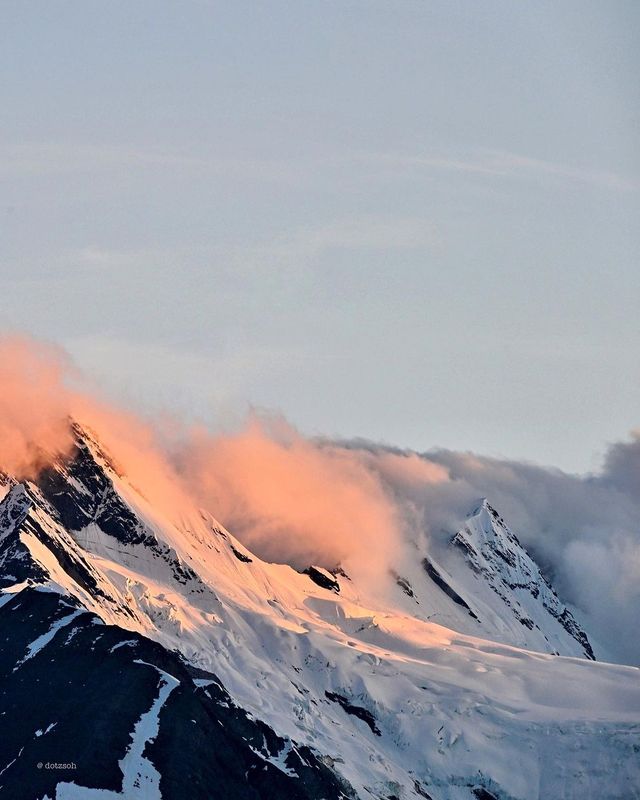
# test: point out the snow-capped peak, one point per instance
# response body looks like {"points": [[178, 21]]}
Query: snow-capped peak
{"points": [[509, 583]]}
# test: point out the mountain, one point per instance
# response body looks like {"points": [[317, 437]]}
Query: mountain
{"points": [[483, 582], [151, 655]]}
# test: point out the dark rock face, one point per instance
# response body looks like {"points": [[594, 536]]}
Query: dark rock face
{"points": [[441, 583], [321, 579], [80, 492], [483, 794], [16, 564], [420, 790], [15, 557], [241, 556], [568, 622], [356, 711], [75, 690], [404, 584]]}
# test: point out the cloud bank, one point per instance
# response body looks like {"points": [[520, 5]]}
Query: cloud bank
{"points": [[300, 501]]}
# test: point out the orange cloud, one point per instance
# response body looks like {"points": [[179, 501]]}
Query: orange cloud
{"points": [[288, 498], [34, 405]]}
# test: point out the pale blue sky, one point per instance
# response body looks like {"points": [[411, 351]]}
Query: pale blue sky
{"points": [[410, 221]]}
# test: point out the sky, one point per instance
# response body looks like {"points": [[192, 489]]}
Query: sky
{"points": [[411, 222]]}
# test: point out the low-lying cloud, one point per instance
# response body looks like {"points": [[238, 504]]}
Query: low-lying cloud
{"points": [[288, 499]]}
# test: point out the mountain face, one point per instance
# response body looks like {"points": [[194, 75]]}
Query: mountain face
{"points": [[150, 657], [499, 590], [495, 555], [109, 704]]}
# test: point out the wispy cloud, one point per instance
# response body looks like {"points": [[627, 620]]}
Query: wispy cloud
{"points": [[427, 162], [503, 164], [42, 158], [525, 165]]}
